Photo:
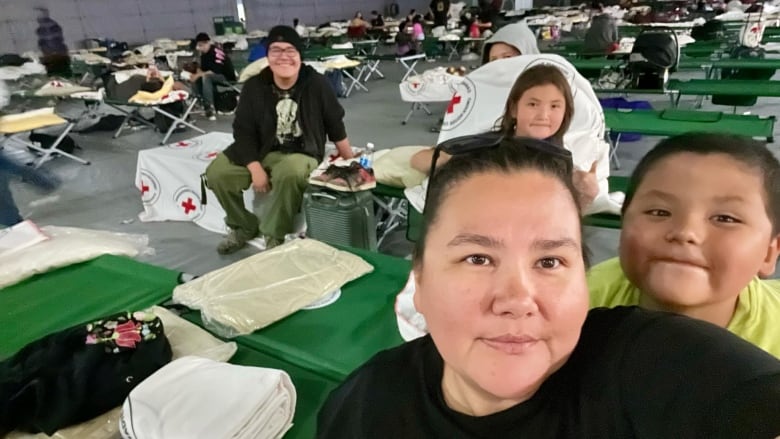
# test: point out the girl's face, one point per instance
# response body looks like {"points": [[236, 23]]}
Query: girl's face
{"points": [[697, 232], [501, 51], [539, 112], [504, 296]]}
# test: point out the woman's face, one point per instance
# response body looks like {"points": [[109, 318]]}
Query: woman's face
{"points": [[502, 286], [539, 112]]}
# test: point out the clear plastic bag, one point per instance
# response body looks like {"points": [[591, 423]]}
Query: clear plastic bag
{"points": [[66, 246], [255, 292]]}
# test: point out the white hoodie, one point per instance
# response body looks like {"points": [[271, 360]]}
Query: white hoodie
{"points": [[517, 35]]}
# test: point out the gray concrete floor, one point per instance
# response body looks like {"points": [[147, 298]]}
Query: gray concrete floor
{"points": [[102, 195]]}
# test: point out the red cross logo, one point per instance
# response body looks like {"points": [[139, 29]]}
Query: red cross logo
{"points": [[415, 84], [188, 206], [144, 188], [455, 101], [182, 144], [211, 155]]}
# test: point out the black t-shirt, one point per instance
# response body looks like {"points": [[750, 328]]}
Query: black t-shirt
{"points": [[289, 136], [634, 373], [440, 9]]}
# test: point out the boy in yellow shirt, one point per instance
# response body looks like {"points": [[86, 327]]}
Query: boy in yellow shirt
{"points": [[701, 226]]}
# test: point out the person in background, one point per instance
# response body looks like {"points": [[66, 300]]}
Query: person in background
{"points": [[215, 68], [404, 46], [440, 9], [51, 42], [301, 29], [602, 36], [511, 40], [284, 117], [358, 21], [412, 14], [418, 33], [377, 21], [9, 169]]}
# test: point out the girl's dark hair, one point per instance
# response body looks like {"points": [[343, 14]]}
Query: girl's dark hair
{"points": [[542, 74], [511, 155], [745, 150]]}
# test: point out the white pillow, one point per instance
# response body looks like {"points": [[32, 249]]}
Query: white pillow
{"points": [[393, 167], [68, 245]]}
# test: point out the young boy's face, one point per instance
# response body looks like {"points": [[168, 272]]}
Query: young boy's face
{"points": [[697, 231]]}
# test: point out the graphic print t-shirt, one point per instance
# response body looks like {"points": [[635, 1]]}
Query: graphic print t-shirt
{"points": [[289, 136]]}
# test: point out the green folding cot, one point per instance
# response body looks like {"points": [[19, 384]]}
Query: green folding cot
{"points": [[65, 297], [320, 347], [724, 87], [671, 122]]}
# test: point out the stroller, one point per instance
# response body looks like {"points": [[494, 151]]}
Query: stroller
{"points": [[655, 55]]}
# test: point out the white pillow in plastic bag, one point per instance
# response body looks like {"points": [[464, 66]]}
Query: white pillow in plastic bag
{"points": [[67, 246], [257, 291]]}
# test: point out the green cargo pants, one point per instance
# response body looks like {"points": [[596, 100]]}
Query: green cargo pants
{"points": [[288, 176]]}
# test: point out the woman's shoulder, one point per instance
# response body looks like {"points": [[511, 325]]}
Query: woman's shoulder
{"points": [[609, 287]]}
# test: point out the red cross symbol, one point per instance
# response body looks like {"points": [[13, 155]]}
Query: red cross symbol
{"points": [[188, 206], [415, 84], [211, 155], [455, 100], [144, 188], [182, 144]]}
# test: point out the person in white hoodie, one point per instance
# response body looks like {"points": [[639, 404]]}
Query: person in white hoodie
{"points": [[511, 40]]}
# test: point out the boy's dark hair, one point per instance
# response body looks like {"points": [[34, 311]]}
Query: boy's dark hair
{"points": [[296, 21], [202, 37], [541, 74], [511, 155], [744, 150]]}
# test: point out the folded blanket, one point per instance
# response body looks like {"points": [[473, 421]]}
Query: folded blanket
{"points": [[145, 97], [194, 397], [29, 120], [186, 339]]}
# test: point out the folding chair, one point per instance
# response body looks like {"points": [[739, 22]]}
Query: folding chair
{"points": [[416, 106], [354, 80], [392, 210], [134, 115], [13, 126], [409, 63], [371, 65]]}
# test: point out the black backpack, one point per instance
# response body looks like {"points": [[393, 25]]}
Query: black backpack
{"points": [[47, 140], [225, 100], [709, 31]]}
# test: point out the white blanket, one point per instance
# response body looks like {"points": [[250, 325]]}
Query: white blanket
{"points": [[198, 398]]}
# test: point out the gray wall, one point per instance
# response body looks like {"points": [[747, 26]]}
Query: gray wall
{"points": [[262, 14], [134, 21], [140, 21]]}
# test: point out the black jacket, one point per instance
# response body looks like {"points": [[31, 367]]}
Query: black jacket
{"points": [[320, 116], [217, 61]]}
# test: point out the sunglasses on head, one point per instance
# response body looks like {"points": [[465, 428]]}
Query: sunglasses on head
{"points": [[472, 143]]}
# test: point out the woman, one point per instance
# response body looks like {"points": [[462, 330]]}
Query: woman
{"points": [[513, 351]]}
